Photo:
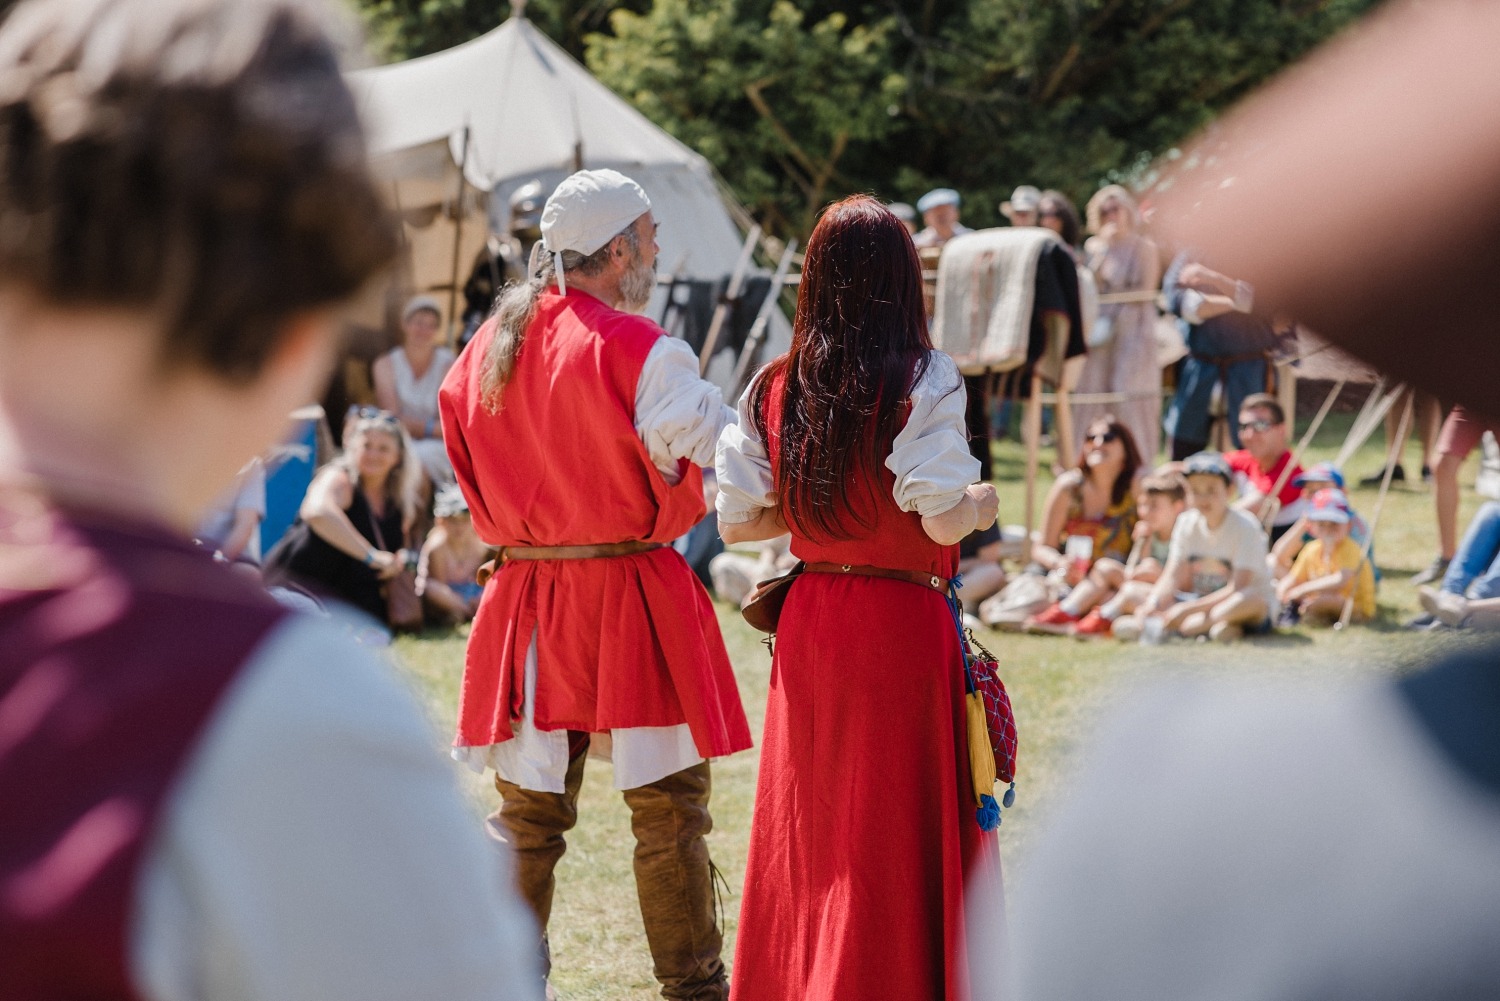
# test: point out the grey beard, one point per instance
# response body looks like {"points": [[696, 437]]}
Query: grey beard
{"points": [[636, 286]]}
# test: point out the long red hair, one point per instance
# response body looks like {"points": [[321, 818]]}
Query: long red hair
{"points": [[859, 345]]}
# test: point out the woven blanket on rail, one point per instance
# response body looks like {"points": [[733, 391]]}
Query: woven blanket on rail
{"points": [[987, 296]]}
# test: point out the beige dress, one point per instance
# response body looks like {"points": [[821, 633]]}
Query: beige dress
{"points": [[1127, 364]]}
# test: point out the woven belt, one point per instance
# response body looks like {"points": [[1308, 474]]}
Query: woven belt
{"points": [[592, 552], [931, 581]]}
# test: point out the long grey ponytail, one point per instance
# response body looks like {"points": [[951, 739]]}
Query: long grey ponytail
{"points": [[515, 308]]}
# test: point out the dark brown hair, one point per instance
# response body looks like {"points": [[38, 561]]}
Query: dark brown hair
{"points": [[198, 161], [1057, 202], [1120, 489], [859, 345], [1266, 402]]}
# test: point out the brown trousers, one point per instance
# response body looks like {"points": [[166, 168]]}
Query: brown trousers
{"points": [[673, 874]]}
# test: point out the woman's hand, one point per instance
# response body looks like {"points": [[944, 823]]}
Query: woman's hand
{"points": [[975, 509], [386, 565], [986, 504]]}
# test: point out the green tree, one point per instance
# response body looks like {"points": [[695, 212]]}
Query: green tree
{"points": [[777, 104], [797, 104], [402, 29]]}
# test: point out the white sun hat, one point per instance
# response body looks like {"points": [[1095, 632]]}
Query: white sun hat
{"points": [[588, 210]]}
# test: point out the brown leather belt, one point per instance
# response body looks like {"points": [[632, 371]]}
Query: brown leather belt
{"points": [[591, 552], [931, 581]]}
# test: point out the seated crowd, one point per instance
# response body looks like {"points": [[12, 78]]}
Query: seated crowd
{"points": [[383, 515], [1215, 546]]}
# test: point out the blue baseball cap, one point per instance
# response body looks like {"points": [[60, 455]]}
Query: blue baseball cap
{"points": [[1207, 464], [1322, 472], [936, 197]]}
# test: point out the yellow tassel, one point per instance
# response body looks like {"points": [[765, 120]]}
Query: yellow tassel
{"points": [[981, 755]]}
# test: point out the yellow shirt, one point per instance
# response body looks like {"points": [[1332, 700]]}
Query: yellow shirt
{"points": [[1313, 563]]}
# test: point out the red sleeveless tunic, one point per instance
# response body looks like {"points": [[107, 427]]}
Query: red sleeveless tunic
{"points": [[864, 835], [627, 641]]}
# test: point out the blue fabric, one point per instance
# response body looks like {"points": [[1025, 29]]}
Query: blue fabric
{"points": [[1457, 702], [1475, 569]]}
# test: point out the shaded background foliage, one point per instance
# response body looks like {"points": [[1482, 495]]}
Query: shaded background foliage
{"points": [[797, 104]]}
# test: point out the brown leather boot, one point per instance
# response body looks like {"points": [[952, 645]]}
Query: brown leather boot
{"points": [[674, 881], [531, 824]]}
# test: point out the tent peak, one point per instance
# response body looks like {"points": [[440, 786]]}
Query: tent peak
{"points": [[518, 9]]}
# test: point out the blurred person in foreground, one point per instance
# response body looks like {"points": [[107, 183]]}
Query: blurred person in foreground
{"points": [[203, 795], [578, 431], [1369, 867]]}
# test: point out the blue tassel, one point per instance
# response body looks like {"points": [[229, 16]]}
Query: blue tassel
{"points": [[988, 813], [1010, 797]]}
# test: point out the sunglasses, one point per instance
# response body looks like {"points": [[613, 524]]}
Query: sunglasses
{"points": [[1104, 437], [374, 415], [1258, 426]]}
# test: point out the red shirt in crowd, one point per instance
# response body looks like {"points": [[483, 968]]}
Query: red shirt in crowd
{"points": [[1251, 478]]}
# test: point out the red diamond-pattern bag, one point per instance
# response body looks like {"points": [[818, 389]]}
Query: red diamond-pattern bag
{"points": [[990, 722]]}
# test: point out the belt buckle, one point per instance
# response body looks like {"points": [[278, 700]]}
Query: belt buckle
{"points": [[937, 582]]}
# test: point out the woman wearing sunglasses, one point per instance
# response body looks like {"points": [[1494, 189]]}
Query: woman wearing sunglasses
{"points": [[352, 528], [1095, 501]]}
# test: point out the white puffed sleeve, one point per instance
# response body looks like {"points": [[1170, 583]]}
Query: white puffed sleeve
{"points": [[744, 469], [678, 415], [930, 456]]}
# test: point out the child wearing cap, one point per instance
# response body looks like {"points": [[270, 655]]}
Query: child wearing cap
{"points": [[1216, 582], [451, 556], [1330, 568], [1322, 476]]}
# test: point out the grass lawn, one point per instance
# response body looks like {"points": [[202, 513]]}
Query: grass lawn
{"points": [[1058, 687]]}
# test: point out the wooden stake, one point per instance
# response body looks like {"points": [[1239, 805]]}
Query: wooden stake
{"points": [[751, 349], [731, 296], [1385, 487], [1032, 432]]}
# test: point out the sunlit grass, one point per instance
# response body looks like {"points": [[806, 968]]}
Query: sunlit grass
{"points": [[1059, 687]]}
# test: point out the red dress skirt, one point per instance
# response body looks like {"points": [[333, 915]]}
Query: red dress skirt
{"points": [[864, 836]]}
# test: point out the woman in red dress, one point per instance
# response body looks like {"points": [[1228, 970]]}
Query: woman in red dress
{"points": [[864, 836]]}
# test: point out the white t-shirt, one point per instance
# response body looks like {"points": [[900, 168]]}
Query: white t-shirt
{"points": [[1213, 555]]}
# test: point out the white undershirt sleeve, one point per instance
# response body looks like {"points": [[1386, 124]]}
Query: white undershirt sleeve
{"points": [[930, 456], [1192, 301], [744, 469], [678, 415], [317, 849]]}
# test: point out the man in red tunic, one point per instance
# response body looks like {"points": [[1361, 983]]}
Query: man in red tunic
{"points": [[577, 430]]}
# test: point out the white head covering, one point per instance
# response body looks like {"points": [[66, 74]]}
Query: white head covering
{"points": [[586, 211]]}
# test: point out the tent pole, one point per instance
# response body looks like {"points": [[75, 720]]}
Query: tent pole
{"points": [[757, 334], [1033, 433], [731, 295], [458, 235], [1385, 487], [1273, 500]]}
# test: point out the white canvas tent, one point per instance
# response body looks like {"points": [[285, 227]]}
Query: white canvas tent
{"points": [[511, 107]]}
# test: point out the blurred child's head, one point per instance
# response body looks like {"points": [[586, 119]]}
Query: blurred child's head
{"points": [[1328, 518], [1208, 479], [1161, 499], [1319, 477], [451, 509]]}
